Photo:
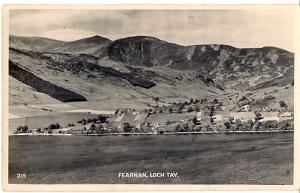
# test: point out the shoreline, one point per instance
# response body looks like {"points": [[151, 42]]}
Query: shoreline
{"points": [[167, 133]]}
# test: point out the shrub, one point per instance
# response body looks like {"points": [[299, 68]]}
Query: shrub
{"points": [[38, 130], [71, 125], [127, 127], [22, 129], [195, 120], [53, 126], [101, 118], [179, 109], [258, 117], [92, 127], [191, 101], [282, 104], [190, 109]]}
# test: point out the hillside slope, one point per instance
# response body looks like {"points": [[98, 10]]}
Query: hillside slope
{"points": [[225, 65], [43, 86], [104, 80], [133, 71]]}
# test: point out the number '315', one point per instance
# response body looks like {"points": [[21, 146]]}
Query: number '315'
{"points": [[21, 175]]}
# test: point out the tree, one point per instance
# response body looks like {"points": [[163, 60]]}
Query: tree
{"points": [[180, 107], [197, 109], [258, 116], [170, 110], [195, 120], [244, 98], [191, 101], [127, 127], [231, 119], [101, 118], [211, 120], [256, 126], [190, 109], [227, 125], [22, 129], [156, 100], [238, 125], [93, 127], [38, 130], [99, 129], [57, 126], [249, 125], [53, 126], [215, 101], [282, 104]]}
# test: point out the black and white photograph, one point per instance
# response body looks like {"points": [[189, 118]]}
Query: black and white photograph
{"points": [[200, 96]]}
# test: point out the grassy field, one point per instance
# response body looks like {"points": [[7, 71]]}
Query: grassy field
{"points": [[43, 121], [198, 159]]}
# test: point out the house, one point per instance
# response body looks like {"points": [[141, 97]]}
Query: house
{"points": [[217, 118], [269, 116], [226, 118], [161, 124], [285, 116], [198, 116]]}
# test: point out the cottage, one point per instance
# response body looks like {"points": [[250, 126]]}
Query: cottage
{"points": [[198, 116], [161, 124], [285, 116], [217, 118], [269, 116]]}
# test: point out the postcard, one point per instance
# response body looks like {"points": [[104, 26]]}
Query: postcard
{"points": [[150, 97]]}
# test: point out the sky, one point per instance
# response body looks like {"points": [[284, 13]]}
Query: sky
{"points": [[239, 28]]}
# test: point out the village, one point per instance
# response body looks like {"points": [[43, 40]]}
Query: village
{"points": [[209, 115]]}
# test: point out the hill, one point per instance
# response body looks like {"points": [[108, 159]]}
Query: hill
{"points": [[82, 46], [131, 72], [31, 43]]}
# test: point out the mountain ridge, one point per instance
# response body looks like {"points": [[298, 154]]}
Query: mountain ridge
{"points": [[149, 66]]}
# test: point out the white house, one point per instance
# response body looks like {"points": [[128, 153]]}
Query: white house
{"points": [[217, 118], [198, 116], [269, 116], [285, 116]]}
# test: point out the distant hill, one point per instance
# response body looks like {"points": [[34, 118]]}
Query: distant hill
{"points": [[31, 43], [82, 46]]}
